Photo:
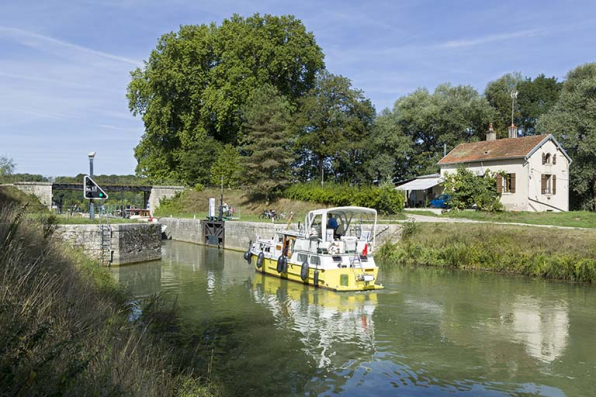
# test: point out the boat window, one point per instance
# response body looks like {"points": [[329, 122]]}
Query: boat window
{"points": [[314, 260], [301, 257]]}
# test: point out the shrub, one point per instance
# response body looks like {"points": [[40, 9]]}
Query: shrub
{"points": [[385, 199]]}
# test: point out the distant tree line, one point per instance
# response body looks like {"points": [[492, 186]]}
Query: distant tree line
{"points": [[251, 103]]}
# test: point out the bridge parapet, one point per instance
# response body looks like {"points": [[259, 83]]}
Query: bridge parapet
{"points": [[159, 193], [43, 190]]}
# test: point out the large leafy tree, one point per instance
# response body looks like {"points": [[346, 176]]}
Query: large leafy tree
{"points": [[388, 149], [267, 142], [535, 97], [197, 80], [449, 116], [498, 94], [573, 122], [334, 121], [227, 166]]}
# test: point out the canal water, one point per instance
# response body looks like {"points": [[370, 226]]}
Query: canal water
{"points": [[431, 332]]}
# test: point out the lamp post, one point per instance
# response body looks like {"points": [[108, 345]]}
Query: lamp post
{"points": [[91, 209], [512, 129]]}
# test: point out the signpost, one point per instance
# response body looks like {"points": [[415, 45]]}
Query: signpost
{"points": [[91, 190]]}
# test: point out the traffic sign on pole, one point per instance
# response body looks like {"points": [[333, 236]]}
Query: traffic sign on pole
{"points": [[91, 190]]}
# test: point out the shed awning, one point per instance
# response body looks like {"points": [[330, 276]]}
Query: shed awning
{"points": [[420, 184]]}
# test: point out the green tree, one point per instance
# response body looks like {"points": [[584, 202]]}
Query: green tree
{"points": [[388, 149], [227, 166], [7, 166], [449, 116], [267, 142], [194, 165], [535, 97], [572, 121], [498, 94], [197, 80], [334, 121]]}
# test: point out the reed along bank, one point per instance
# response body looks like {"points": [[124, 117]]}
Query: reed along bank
{"points": [[65, 326], [551, 253]]}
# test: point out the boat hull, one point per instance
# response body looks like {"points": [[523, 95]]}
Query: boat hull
{"points": [[340, 279]]}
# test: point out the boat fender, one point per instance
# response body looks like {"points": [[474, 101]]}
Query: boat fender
{"points": [[280, 264], [285, 265], [247, 253], [316, 278], [260, 259], [304, 271]]}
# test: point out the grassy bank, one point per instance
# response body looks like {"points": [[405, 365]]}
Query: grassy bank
{"points": [[196, 204], [65, 328], [548, 253], [584, 219]]}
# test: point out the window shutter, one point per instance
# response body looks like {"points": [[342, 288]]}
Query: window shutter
{"points": [[512, 190], [543, 188], [543, 158], [499, 183], [554, 158], [554, 183]]}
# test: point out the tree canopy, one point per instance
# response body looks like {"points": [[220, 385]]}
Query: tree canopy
{"points": [[268, 142], [197, 80], [449, 116], [535, 97], [572, 121], [333, 122]]}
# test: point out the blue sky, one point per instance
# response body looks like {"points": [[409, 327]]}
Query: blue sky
{"points": [[64, 65]]}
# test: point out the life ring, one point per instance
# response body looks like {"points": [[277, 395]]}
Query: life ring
{"points": [[316, 278], [260, 259], [304, 271]]}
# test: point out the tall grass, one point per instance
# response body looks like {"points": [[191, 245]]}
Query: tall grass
{"points": [[64, 328], [548, 253]]}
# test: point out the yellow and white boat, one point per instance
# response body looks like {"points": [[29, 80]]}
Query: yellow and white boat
{"points": [[331, 254]]}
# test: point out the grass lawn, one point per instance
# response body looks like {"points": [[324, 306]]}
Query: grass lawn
{"points": [[585, 219], [572, 218]]}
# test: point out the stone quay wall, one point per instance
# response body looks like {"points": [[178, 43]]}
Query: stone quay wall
{"points": [[130, 243], [239, 234]]}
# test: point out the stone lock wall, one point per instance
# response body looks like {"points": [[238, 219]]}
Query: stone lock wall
{"points": [[135, 242], [43, 190], [239, 234]]}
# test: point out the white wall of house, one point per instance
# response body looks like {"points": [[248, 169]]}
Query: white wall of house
{"points": [[559, 201], [528, 194], [517, 201]]}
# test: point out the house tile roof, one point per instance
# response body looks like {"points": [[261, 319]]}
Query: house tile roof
{"points": [[508, 148]]}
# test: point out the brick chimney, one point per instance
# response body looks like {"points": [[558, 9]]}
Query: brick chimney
{"points": [[512, 131], [491, 135]]}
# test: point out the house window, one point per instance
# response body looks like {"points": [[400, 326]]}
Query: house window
{"points": [[547, 158], [549, 184], [506, 183]]}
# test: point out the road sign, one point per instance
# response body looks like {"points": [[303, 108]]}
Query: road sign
{"points": [[91, 190]]}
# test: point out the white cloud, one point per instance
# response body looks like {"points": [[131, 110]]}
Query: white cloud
{"points": [[59, 47], [492, 38]]}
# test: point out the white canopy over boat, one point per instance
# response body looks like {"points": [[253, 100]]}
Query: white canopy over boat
{"points": [[316, 222]]}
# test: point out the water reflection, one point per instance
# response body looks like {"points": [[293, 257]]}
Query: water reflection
{"points": [[142, 279], [328, 322], [543, 330]]}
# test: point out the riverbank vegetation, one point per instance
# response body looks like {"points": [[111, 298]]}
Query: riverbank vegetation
{"points": [[65, 324], [540, 252]]}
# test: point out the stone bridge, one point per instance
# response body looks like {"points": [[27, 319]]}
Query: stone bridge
{"points": [[151, 194]]}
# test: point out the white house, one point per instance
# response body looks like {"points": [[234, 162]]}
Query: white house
{"points": [[537, 169]]}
